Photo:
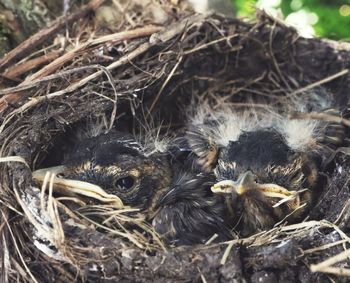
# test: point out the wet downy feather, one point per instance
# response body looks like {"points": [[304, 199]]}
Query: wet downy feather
{"points": [[225, 124], [148, 135]]}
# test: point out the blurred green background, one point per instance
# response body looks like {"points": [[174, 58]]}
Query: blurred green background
{"points": [[322, 18]]}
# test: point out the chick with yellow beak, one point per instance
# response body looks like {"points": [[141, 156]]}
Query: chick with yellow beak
{"points": [[266, 174], [263, 204], [115, 169]]}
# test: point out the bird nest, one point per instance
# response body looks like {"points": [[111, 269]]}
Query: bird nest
{"points": [[151, 72]]}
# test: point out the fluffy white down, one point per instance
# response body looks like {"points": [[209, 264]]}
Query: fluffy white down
{"points": [[200, 6], [147, 137], [299, 134], [229, 125], [153, 143]]}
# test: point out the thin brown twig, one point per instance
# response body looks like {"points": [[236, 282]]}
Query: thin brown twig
{"points": [[156, 37], [206, 45], [323, 81], [114, 111], [18, 250], [112, 38], [324, 247], [37, 100], [275, 63], [344, 211], [330, 261], [140, 32], [164, 84], [18, 70], [41, 36], [29, 85], [320, 116], [336, 271]]}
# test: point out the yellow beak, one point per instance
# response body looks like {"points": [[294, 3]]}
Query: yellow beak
{"points": [[246, 182], [75, 187]]}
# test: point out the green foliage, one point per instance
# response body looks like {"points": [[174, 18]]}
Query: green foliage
{"points": [[244, 8], [333, 16]]}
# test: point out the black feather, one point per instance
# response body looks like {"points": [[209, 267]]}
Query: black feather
{"points": [[189, 213]]}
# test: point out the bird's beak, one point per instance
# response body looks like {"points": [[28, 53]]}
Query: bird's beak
{"points": [[246, 182], [75, 187], [242, 185]]}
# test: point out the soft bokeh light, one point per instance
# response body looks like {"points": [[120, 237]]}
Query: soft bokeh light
{"points": [[322, 18], [268, 3], [303, 21], [344, 10], [296, 4], [270, 6], [200, 6]]}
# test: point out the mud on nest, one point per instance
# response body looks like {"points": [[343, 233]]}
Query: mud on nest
{"points": [[156, 70]]}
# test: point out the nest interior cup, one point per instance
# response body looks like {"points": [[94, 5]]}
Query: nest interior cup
{"points": [[152, 82]]}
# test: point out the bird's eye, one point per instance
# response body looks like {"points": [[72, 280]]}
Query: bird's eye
{"points": [[125, 183]]}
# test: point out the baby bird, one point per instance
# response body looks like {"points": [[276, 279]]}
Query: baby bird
{"points": [[268, 167], [174, 198]]}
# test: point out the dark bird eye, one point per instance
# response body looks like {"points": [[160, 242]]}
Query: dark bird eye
{"points": [[125, 182]]}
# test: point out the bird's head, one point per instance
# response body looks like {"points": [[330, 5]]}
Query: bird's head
{"points": [[117, 163], [268, 168], [266, 154], [163, 184]]}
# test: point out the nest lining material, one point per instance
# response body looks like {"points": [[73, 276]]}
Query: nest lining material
{"points": [[146, 71]]}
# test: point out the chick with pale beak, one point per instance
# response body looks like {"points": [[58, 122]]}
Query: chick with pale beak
{"points": [[268, 168], [116, 169], [260, 202]]}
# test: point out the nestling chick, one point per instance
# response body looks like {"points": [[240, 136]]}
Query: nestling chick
{"points": [[180, 205], [268, 167]]}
